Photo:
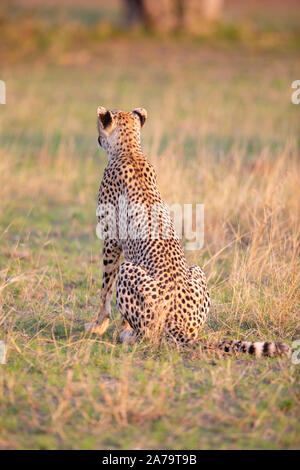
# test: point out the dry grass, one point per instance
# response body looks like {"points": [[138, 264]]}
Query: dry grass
{"points": [[227, 144]]}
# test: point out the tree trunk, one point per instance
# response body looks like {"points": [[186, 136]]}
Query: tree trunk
{"points": [[172, 15]]}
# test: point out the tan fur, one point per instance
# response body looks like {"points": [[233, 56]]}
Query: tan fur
{"points": [[157, 292]]}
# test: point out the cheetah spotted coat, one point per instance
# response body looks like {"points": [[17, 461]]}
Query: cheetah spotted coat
{"points": [[157, 292]]}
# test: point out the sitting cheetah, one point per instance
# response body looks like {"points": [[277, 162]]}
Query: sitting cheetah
{"points": [[157, 292]]}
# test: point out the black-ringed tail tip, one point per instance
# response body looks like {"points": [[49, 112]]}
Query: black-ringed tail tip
{"points": [[257, 349]]}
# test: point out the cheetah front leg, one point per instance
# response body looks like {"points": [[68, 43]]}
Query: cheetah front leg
{"points": [[111, 261]]}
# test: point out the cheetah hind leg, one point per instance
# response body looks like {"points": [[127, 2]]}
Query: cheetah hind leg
{"points": [[127, 334]]}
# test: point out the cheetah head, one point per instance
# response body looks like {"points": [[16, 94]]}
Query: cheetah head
{"points": [[117, 128]]}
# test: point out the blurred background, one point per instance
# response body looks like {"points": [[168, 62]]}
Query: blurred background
{"points": [[55, 27], [207, 63]]}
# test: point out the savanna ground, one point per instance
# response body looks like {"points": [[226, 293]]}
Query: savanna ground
{"points": [[222, 131]]}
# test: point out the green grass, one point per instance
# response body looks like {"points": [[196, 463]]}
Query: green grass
{"points": [[221, 130], [50, 32]]}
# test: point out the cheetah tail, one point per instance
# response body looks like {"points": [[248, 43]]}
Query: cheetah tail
{"points": [[257, 349]]}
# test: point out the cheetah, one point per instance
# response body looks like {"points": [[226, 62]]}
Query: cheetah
{"points": [[157, 292]]}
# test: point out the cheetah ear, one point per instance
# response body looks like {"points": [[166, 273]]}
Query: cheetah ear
{"points": [[142, 114], [104, 117]]}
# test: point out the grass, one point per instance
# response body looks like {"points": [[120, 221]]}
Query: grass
{"points": [[51, 31], [221, 131]]}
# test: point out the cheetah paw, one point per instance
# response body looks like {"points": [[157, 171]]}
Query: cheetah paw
{"points": [[96, 328], [128, 336]]}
